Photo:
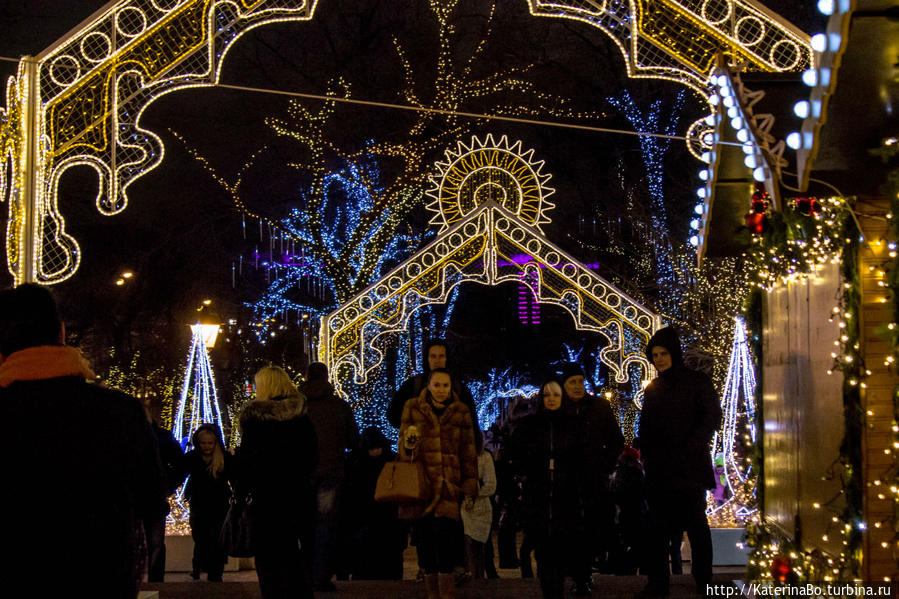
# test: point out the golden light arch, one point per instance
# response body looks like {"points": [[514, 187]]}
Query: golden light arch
{"points": [[490, 200], [489, 246], [79, 102]]}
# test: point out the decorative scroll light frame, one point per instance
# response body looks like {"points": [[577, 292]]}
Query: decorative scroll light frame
{"points": [[678, 40], [79, 102], [489, 246], [490, 198]]}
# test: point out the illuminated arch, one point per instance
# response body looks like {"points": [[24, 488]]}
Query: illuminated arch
{"points": [[490, 246], [79, 102], [678, 39]]}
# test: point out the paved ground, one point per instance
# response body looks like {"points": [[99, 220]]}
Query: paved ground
{"points": [[243, 585], [504, 588]]}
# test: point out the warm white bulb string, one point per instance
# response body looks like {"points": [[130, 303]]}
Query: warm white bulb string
{"points": [[388, 105], [839, 193]]}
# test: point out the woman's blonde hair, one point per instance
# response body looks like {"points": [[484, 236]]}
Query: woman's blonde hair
{"points": [[273, 383], [217, 463]]}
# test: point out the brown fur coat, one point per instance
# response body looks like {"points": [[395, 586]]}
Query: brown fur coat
{"points": [[446, 447]]}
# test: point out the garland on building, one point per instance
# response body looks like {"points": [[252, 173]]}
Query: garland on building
{"points": [[790, 246], [889, 151]]}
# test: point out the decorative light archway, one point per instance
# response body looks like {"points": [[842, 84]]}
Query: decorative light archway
{"points": [[490, 198], [79, 102]]}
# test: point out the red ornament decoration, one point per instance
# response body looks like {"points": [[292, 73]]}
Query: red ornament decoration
{"points": [[807, 206], [760, 200], [755, 220], [782, 569]]}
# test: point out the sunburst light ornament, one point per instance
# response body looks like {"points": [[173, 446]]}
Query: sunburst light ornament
{"points": [[489, 170]]}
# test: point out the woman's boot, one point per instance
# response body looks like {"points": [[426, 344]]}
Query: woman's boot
{"points": [[433, 585]]}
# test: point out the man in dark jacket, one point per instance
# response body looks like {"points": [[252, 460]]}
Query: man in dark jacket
{"points": [[434, 356], [174, 470], [603, 444], [81, 467], [681, 413], [336, 431]]}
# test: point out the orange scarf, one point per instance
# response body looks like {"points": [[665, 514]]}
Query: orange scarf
{"points": [[44, 362]]}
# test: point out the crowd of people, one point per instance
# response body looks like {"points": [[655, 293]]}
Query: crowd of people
{"points": [[97, 472]]}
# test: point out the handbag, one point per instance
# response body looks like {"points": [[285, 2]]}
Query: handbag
{"points": [[235, 537], [402, 482]]}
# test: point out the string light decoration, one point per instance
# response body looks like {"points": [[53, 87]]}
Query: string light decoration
{"points": [[700, 299], [731, 101], [480, 248], [654, 149], [89, 91], [771, 557], [492, 394], [344, 264], [678, 41], [794, 244], [736, 501], [159, 383], [740, 383], [528, 308], [199, 399], [198, 390], [489, 170]]}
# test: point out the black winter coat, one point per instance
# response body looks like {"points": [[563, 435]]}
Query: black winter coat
{"points": [[208, 495], [277, 454], [171, 456], [362, 509], [603, 439], [335, 428], [681, 413], [81, 471], [547, 451]]}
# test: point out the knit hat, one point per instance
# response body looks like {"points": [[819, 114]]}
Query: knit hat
{"points": [[316, 371], [570, 369], [670, 340]]}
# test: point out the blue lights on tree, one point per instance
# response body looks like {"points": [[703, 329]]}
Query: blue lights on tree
{"points": [[341, 234]]}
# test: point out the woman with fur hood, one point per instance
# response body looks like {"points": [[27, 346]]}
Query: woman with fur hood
{"points": [[436, 428], [277, 454], [547, 450]]}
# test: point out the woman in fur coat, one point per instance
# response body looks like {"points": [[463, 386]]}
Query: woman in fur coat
{"points": [[276, 457], [436, 428]]}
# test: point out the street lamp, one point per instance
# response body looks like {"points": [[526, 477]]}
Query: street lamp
{"points": [[124, 277], [208, 324]]}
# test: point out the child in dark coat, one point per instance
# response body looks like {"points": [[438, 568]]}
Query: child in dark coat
{"points": [[629, 494], [208, 467]]}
